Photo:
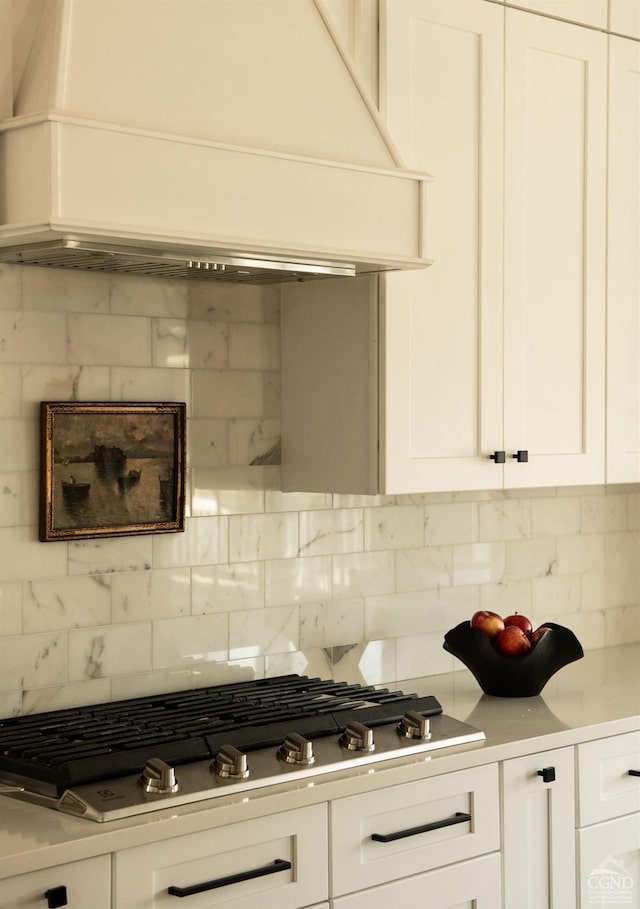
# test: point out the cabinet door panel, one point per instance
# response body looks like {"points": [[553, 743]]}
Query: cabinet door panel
{"points": [[623, 271], [539, 832], [555, 121], [442, 382], [609, 857], [624, 17]]}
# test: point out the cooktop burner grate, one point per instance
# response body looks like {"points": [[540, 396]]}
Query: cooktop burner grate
{"points": [[67, 748]]}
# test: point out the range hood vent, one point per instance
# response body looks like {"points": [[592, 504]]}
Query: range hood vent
{"points": [[210, 139]]}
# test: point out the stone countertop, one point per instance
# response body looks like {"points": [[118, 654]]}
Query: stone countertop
{"points": [[593, 698]]}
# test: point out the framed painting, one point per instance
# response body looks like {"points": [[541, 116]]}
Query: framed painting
{"points": [[111, 470]]}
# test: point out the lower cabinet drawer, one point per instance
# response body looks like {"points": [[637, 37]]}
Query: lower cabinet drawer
{"points": [[403, 830], [84, 885], [606, 788], [276, 862], [474, 884]]}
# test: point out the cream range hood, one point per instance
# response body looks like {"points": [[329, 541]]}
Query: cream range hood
{"points": [[219, 139]]}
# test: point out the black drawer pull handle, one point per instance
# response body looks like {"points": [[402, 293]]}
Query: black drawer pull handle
{"points": [[521, 456], [548, 774], [278, 865], [634, 773], [458, 818], [499, 457], [56, 897]]}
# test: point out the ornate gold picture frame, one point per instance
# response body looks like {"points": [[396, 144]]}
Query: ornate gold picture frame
{"points": [[111, 470]]}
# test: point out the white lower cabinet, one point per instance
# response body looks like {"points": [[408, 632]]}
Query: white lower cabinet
{"points": [[538, 833], [609, 817], [77, 885], [470, 885], [277, 862], [396, 833]]}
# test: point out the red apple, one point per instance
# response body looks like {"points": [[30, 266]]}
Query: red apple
{"points": [[535, 636], [489, 622], [521, 621], [512, 641]]}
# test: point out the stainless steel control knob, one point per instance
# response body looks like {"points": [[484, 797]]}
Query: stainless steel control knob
{"points": [[159, 777], [358, 737], [414, 725], [296, 750], [230, 763]]}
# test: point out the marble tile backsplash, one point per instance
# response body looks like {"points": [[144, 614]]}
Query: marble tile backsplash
{"points": [[262, 582]]}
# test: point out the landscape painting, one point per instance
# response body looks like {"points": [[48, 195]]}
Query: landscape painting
{"points": [[111, 469]]}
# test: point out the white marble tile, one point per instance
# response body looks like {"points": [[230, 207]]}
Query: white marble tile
{"points": [[208, 443], [204, 542], [588, 627], [254, 346], [190, 642], [400, 614], [226, 588], [505, 519], [100, 340], [275, 500], [23, 556], [262, 537], [393, 527], [208, 344], [54, 605], [145, 684], [622, 569], [142, 295], [230, 394], [11, 286], [506, 597], [169, 343], [604, 513], [363, 574], [18, 445], [297, 580], [332, 623], [115, 554], [65, 290], [622, 626], [10, 703], [63, 697], [341, 500], [555, 517], [224, 492], [478, 563], [12, 510], [424, 569], [422, 655], [249, 439], [226, 302], [633, 511], [256, 632], [271, 395], [33, 661], [554, 595], [10, 391], [314, 663], [531, 558], [64, 383], [109, 650], [150, 385], [331, 532], [10, 608], [371, 663], [454, 523], [228, 672], [142, 595], [581, 553], [33, 337]]}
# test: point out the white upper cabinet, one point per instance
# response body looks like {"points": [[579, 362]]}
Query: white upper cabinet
{"points": [[624, 17], [554, 250], [498, 347], [584, 12], [623, 272]]}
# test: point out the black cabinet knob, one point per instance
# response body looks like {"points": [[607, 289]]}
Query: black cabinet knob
{"points": [[56, 897], [521, 456], [548, 774], [634, 773], [499, 457]]}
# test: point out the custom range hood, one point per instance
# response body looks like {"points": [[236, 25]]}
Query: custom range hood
{"points": [[223, 139]]}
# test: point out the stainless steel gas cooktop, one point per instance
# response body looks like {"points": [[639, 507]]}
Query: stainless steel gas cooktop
{"points": [[129, 757]]}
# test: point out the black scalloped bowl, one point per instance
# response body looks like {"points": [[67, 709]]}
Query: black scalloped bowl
{"points": [[516, 676]]}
